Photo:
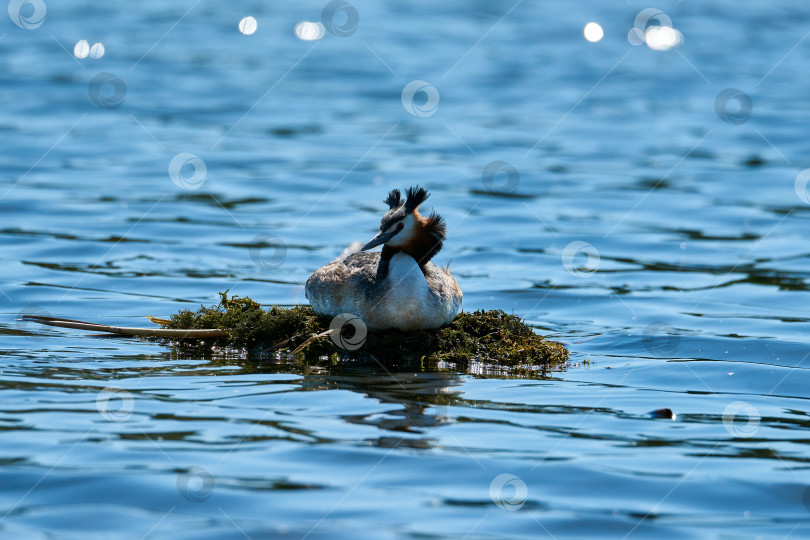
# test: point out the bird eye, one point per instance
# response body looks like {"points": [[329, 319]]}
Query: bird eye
{"points": [[399, 226]]}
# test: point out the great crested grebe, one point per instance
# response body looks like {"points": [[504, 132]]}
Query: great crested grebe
{"points": [[399, 287]]}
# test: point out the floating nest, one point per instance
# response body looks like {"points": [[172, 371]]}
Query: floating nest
{"points": [[493, 337]]}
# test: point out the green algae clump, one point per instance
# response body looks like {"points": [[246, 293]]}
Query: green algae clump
{"points": [[491, 337]]}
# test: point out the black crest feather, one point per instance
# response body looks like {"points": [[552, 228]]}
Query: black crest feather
{"points": [[394, 199], [416, 196]]}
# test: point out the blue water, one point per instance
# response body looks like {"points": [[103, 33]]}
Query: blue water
{"points": [[659, 230]]}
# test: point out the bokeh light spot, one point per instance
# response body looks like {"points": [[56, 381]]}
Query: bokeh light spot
{"points": [[662, 38], [81, 49], [248, 25], [97, 50], [593, 32], [309, 31]]}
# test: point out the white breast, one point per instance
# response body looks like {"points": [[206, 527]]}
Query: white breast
{"points": [[408, 293], [405, 299], [410, 303]]}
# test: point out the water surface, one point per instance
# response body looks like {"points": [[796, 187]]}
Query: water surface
{"points": [[661, 237]]}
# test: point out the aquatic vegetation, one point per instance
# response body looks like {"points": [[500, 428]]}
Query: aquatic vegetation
{"points": [[490, 337]]}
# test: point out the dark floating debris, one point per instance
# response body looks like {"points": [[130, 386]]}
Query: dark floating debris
{"points": [[754, 161], [491, 337], [663, 413]]}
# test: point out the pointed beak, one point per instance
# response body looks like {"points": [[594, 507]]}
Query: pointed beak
{"points": [[379, 239]]}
